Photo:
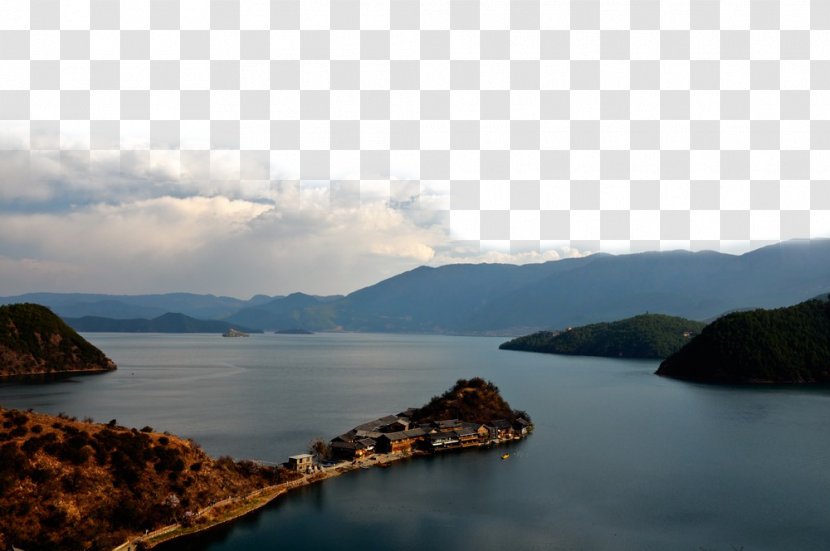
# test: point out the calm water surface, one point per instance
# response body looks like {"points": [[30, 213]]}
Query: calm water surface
{"points": [[620, 459]]}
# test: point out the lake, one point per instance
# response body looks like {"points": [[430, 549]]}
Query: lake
{"points": [[620, 458]]}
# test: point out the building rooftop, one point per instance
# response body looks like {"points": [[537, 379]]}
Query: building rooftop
{"points": [[404, 434], [300, 456]]}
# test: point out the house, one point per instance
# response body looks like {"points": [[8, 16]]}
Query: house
{"points": [[503, 429], [401, 423], [352, 449], [367, 434], [521, 426], [401, 441], [442, 440], [447, 425], [377, 424], [468, 434], [300, 463]]}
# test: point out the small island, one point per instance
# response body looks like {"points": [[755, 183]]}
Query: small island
{"points": [[235, 333], [786, 345], [644, 336], [35, 341]]}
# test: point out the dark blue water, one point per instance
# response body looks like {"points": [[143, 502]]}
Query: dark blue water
{"points": [[621, 459]]}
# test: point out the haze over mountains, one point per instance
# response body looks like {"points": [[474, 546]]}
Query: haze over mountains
{"points": [[507, 299], [166, 323]]}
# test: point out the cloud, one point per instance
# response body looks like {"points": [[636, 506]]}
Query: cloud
{"points": [[467, 252], [214, 244], [129, 223]]}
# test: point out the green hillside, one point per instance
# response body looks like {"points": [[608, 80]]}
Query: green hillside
{"points": [[33, 340], [644, 336], [785, 345]]}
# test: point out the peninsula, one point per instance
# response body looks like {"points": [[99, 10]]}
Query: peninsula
{"points": [[34, 341], [643, 336], [470, 414], [785, 345]]}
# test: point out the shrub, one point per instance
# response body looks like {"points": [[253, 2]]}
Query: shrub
{"points": [[19, 431]]}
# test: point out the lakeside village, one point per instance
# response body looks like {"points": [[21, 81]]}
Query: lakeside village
{"points": [[396, 436]]}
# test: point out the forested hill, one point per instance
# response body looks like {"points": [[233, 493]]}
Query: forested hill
{"points": [[34, 341], [785, 345], [643, 336]]}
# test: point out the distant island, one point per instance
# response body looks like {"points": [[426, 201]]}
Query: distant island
{"points": [[643, 336], [293, 332], [34, 341], [785, 345], [167, 323], [235, 333], [72, 485]]}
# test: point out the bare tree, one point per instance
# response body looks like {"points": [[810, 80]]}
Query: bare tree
{"points": [[320, 449]]}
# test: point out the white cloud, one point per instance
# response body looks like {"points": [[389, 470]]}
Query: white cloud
{"points": [[129, 223], [214, 244], [472, 253]]}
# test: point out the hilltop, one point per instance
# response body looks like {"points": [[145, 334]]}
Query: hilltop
{"points": [[34, 341], [643, 336], [785, 345], [474, 400], [66, 484]]}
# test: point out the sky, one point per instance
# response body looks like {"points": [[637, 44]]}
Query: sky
{"points": [[99, 228], [273, 146]]}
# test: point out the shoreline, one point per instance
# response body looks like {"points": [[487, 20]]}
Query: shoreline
{"points": [[53, 373], [250, 503]]}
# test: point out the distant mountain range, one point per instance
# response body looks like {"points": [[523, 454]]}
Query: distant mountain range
{"points": [[166, 323], [502, 299]]}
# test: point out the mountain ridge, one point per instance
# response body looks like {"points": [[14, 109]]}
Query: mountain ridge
{"points": [[507, 299], [171, 322]]}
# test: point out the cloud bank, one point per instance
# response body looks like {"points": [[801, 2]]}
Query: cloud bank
{"points": [[72, 223]]}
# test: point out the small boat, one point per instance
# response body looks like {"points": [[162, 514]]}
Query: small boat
{"points": [[505, 456]]}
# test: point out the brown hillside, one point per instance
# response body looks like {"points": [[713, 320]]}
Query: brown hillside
{"points": [[474, 400], [68, 485]]}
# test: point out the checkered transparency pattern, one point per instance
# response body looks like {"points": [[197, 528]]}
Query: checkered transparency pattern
{"points": [[601, 125]]}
